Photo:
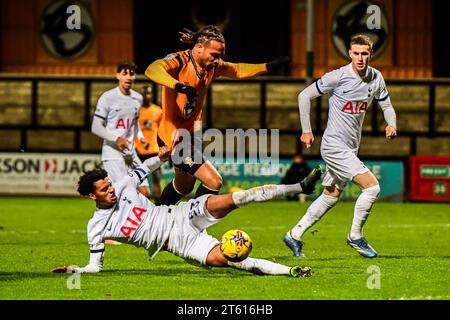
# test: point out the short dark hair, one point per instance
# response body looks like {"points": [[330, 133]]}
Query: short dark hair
{"points": [[126, 65], [87, 180]]}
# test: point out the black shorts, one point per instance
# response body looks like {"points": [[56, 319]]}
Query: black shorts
{"points": [[144, 157], [188, 156]]}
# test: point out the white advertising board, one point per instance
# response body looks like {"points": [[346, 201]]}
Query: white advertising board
{"points": [[43, 173]]}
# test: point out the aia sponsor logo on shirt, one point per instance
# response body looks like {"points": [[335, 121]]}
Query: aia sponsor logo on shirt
{"points": [[354, 107], [124, 124], [133, 222]]}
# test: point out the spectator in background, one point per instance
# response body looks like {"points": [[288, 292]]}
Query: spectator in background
{"points": [[297, 172], [149, 120]]}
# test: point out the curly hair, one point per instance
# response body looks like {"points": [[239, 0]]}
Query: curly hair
{"points": [[204, 35], [87, 180]]}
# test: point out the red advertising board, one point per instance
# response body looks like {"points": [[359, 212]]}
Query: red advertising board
{"points": [[429, 178]]}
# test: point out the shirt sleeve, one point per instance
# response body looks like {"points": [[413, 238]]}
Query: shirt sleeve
{"points": [[162, 71], [96, 246], [328, 82], [136, 176], [382, 93], [239, 70], [304, 105], [137, 127], [102, 108], [98, 128]]}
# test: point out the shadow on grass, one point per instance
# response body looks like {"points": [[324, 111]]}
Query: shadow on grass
{"points": [[11, 276], [164, 272], [386, 256]]}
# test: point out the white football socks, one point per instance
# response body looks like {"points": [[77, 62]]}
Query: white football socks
{"points": [[315, 211], [264, 193], [261, 266], [363, 206]]}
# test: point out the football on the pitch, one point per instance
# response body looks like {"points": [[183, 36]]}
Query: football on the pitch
{"points": [[236, 245]]}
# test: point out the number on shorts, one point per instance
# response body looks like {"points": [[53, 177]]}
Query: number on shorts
{"points": [[194, 210]]}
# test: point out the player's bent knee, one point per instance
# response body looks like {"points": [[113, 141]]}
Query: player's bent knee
{"points": [[332, 191], [213, 183], [184, 186], [372, 191]]}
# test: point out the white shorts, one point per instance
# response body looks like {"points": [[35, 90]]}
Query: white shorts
{"points": [[117, 169], [341, 166], [189, 238]]}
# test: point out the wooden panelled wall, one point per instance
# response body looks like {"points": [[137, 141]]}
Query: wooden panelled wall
{"points": [[408, 54], [22, 50]]}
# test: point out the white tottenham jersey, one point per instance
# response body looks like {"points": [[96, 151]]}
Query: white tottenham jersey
{"points": [[350, 97], [120, 113], [134, 219]]}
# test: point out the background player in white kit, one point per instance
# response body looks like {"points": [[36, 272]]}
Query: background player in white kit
{"points": [[116, 121], [123, 214], [352, 89]]}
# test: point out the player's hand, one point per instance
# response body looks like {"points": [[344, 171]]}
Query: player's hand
{"points": [[63, 269], [307, 139], [278, 62], [145, 143], [122, 143], [188, 90], [391, 133], [164, 153]]}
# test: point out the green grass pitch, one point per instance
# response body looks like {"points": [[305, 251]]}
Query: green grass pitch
{"points": [[37, 234]]}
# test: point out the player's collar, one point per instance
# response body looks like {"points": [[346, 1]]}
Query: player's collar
{"points": [[199, 75], [357, 75]]}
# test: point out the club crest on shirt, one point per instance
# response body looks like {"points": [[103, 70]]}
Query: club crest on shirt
{"points": [[188, 161]]}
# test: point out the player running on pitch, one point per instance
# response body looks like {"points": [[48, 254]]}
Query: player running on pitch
{"points": [[125, 215], [352, 89], [185, 77]]}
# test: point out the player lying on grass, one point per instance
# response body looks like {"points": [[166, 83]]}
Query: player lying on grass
{"points": [[125, 215]]}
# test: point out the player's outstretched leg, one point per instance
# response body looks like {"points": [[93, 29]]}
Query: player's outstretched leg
{"points": [[262, 266], [271, 191], [215, 258]]}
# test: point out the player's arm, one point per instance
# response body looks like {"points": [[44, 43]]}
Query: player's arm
{"points": [[304, 104], [139, 175], [97, 251], [98, 126], [247, 70], [240, 70], [160, 72], [325, 84], [139, 134], [390, 117]]}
